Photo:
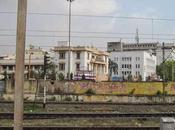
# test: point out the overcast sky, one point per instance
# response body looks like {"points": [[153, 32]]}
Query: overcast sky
{"points": [[50, 24]]}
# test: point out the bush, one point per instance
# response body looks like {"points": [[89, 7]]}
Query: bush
{"points": [[53, 98], [140, 78], [90, 92], [130, 77], [132, 91], [158, 92], [68, 99], [61, 76]]}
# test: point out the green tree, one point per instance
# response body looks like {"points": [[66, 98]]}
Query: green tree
{"points": [[129, 77], [61, 76], [168, 70], [140, 78], [51, 72]]}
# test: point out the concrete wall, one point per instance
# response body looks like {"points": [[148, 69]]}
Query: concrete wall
{"points": [[104, 91], [98, 98], [29, 86]]}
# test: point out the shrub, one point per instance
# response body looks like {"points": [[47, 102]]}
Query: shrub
{"points": [[130, 77], [61, 76], [140, 78], [90, 92], [158, 92], [132, 91], [68, 99], [53, 98]]}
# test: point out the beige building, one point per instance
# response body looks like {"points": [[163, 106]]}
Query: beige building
{"points": [[34, 61], [82, 58]]}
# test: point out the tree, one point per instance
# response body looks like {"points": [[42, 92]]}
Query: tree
{"points": [[113, 67], [129, 77], [71, 76], [5, 75], [51, 71], [61, 76], [140, 78], [167, 70]]}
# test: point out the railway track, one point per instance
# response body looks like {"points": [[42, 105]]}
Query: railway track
{"points": [[83, 128], [88, 103], [87, 115]]}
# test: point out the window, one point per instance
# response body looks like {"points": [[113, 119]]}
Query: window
{"points": [[10, 67], [137, 58], [4, 67], [122, 65], [62, 55], [62, 66], [78, 55], [138, 65], [77, 66]]}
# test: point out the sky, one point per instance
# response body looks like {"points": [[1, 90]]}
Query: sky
{"points": [[94, 22]]}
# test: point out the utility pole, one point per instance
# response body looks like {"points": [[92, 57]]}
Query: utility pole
{"points": [[163, 51], [20, 56], [46, 64], [45, 68], [44, 100]]}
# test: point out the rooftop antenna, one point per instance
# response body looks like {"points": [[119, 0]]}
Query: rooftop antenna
{"points": [[137, 36]]}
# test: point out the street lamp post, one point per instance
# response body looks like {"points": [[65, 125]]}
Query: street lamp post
{"points": [[69, 57]]}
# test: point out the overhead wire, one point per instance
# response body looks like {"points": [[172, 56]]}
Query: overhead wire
{"points": [[97, 16], [124, 33]]}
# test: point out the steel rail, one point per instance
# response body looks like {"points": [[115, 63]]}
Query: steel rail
{"points": [[86, 103], [83, 128], [87, 115]]}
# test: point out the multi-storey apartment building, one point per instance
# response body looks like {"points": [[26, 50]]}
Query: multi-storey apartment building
{"points": [[135, 63], [120, 46], [155, 48], [82, 58]]}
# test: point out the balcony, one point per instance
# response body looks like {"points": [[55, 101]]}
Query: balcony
{"points": [[98, 60]]}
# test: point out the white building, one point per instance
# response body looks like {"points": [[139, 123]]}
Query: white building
{"points": [[134, 63], [156, 49], [82, 58]]}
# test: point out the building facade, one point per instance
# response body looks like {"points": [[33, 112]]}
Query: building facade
{"points": [[120, 46], [154, 48], [134, 63], [82, 58], [34, 61]]}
